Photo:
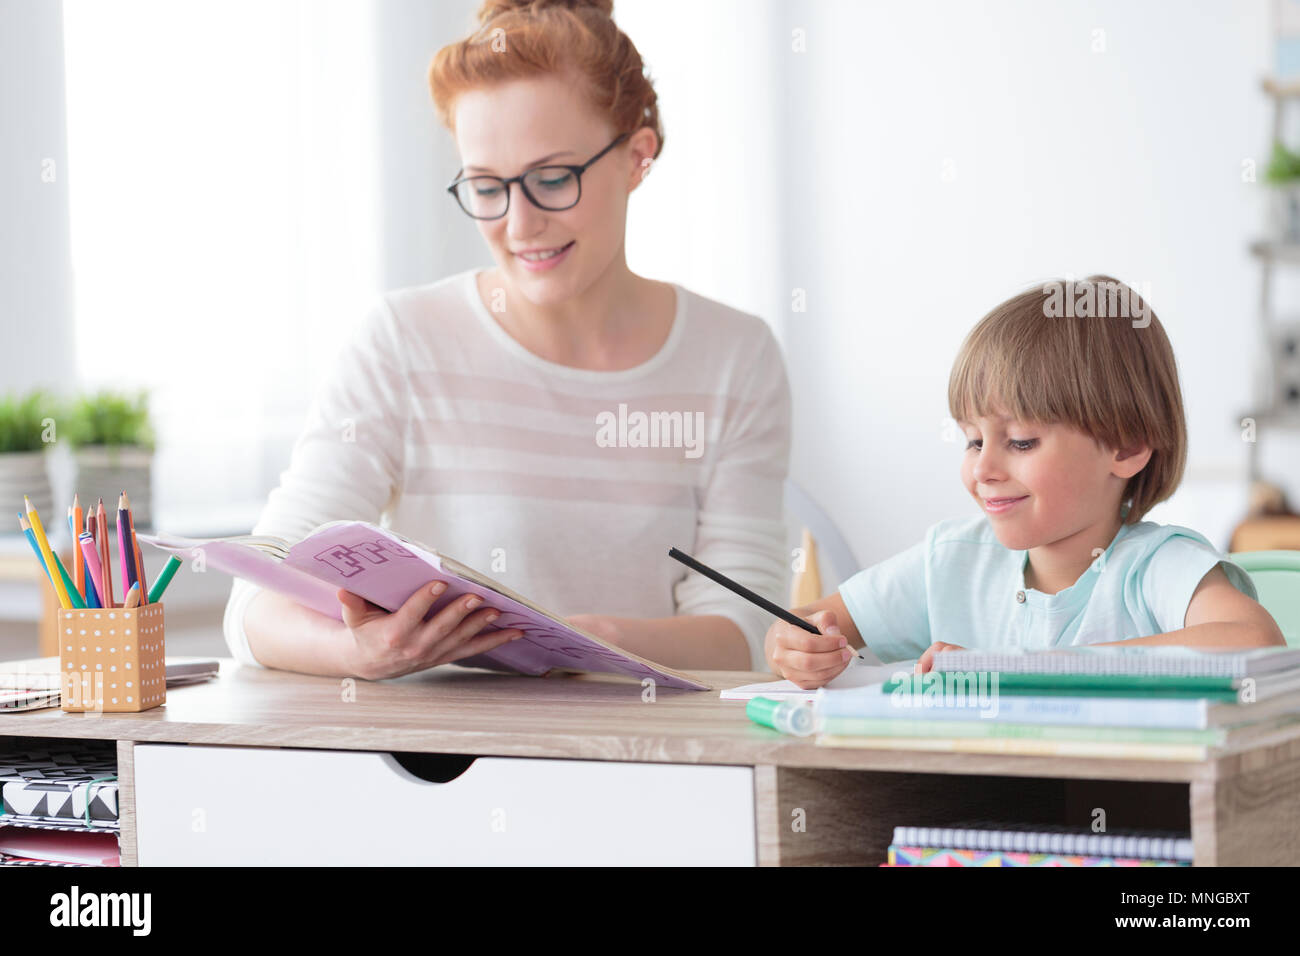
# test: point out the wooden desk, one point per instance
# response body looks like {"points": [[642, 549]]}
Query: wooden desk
{"points": [[811, 805]]}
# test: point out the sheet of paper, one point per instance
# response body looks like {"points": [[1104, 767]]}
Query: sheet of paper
{"points": [[857, 674]]}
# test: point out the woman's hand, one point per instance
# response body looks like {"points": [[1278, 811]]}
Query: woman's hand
{"points": [[926, 660], [808, 660], [397, 643]]}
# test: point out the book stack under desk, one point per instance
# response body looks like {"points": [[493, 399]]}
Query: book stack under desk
{"points": [[60, 805]]}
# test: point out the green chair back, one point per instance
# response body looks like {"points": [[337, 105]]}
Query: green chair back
{"points": [[1277, 578]]}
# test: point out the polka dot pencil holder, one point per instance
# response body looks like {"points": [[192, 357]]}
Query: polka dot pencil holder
{"points": [[112, 659]]}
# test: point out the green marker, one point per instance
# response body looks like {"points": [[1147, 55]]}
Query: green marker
{"points": [[164, 579], [788, 716]]}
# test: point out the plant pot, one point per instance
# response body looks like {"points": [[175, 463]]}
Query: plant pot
{"points": [[23, 473], [105, 471]]}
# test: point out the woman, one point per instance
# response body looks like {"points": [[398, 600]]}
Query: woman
{"points": [[556, 421]]}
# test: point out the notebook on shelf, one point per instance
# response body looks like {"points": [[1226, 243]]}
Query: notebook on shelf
{"points": [[386, 568], [1030, 843]]}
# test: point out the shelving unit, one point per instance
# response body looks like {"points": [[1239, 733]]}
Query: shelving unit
{"points": [[1279, 341]]}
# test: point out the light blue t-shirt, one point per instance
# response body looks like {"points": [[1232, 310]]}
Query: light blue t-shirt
{"points": [[963, 586]]}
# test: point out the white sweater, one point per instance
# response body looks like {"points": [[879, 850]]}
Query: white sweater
{"points": [[562, 483]]}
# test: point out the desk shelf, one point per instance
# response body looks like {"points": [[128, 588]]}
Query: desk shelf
{"points": [[1241, 808]]}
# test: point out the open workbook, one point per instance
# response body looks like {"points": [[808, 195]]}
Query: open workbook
{"points": [[386, 568]]}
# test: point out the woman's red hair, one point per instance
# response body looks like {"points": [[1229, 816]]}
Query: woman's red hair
{"points": [[524, 38]]}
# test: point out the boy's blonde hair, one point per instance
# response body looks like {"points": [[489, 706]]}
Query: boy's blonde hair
{"points": [[1088, 353]]}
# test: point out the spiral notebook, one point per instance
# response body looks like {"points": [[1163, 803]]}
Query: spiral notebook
{"points": [[1118, 660], [1040, 838]]}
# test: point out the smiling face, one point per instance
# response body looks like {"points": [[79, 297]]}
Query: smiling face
{"points": [[508, 128], [1041, 484]]}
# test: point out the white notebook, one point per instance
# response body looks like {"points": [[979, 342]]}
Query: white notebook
{"points": [[857, 674]]}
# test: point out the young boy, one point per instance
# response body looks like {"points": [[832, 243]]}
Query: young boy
{"points": [[1074, 429]]}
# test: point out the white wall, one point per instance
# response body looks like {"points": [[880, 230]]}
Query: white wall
{"points": [[708, 215], [35, 266], [424, 235]]}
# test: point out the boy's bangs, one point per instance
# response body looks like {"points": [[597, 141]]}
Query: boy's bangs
{"points": [[992, 378]]}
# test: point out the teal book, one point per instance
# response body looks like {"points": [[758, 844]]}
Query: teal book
{"points": [[984, 683]]}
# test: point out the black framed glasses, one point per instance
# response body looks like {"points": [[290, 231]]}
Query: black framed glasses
{"points": [[550, 187]]}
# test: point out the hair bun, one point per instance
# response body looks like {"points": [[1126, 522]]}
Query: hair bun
{"points": [[494, 8]]}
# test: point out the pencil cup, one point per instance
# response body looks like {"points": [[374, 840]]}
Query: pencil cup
{"points": [[112, 659]]}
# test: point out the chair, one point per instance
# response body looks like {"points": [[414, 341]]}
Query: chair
{"points": [[818, 530], [1277, 579]]}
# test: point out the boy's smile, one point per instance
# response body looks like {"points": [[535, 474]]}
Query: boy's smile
{"points": [[997, 506]]}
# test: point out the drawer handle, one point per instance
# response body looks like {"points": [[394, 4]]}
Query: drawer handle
{"points": [[433, 768]]}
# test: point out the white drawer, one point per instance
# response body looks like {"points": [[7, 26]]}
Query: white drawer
{"points": [[240, 806]]}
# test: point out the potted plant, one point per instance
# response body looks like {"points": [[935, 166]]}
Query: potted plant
{"points": [[113, 444], [27, 430], [1283, 174]]}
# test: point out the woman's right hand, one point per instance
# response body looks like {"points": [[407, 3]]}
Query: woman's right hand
{"points": [[401, 642], [808, 660]]}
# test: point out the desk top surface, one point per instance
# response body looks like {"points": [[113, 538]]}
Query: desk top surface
{"points": [[460, 710]]}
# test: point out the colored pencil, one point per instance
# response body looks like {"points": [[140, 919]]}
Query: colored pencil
{"points": [[125, 554], [88, 527], [164, 579], [73, 594], [31, 539], [39, 532], [143, 577], [91, 557], [105, 553], [132, 596], [135, 550], [78, 585], [78, 563]]}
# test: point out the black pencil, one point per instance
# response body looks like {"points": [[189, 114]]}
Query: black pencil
{"points": [[743, 591]]}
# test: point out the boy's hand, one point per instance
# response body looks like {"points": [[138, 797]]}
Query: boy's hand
{"points": [[926, 660], [808, 660]]}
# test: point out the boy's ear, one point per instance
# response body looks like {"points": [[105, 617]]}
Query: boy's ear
{"points": [[1129, 461]]}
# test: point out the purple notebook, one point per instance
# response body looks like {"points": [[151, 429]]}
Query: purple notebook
{"points": [[386, 569]]}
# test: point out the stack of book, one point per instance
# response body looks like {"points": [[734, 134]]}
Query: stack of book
{"points": [[58, 807], [1001, 844], [1153, 703]]}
